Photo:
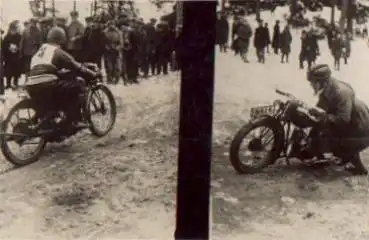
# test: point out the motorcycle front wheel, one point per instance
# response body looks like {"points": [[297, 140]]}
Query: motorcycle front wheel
{"points": [[101, 103], [265, 146], [18, 129]]}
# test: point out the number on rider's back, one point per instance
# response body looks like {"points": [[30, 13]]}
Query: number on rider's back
{"points": [[41, 52]]}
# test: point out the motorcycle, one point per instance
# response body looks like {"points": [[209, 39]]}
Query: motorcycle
{"points": [[31, 128], [278, 133]]}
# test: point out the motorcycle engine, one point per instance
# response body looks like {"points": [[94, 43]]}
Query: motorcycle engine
{"points": [[300, 118]]}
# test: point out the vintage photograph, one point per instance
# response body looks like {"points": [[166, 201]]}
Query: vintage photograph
{"points": [[291, 120], [90, 100]]}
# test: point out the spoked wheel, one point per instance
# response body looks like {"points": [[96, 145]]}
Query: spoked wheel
{"points": [[101, 111], [18, 133], [256, 145]]}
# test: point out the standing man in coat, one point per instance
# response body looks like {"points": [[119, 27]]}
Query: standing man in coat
{"points": [[260, 42], [222, 32], [30, 43], [163, 48], [285, 42], [234, 44], [151, 36], [244, 33], [11, 54], [276, 37], [267, 33], [93, 42], [75, 34], [46, 24], [113, 46]]}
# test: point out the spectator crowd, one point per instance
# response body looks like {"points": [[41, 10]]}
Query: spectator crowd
{"points": [[280, 41], [128, 47]]}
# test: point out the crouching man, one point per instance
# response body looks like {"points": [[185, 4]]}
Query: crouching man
{"points": [[344, 121]]}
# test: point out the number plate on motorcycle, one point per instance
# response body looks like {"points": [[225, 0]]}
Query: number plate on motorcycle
{"points": [[258, 112]]}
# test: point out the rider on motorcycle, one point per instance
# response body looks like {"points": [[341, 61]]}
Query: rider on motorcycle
{"points": [[64, 92], [344, 121]]}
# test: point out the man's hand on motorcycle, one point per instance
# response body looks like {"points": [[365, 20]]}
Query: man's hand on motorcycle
{"points": [[296, 103], [318, 113]]}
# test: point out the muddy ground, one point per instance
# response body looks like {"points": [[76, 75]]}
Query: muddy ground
{"points": [[283, 202], [120, 186]]}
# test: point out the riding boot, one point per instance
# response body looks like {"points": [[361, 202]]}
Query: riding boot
{"points": [[358, 166]]}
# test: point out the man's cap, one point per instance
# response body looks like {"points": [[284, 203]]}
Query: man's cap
{"points": [[319, 73]]}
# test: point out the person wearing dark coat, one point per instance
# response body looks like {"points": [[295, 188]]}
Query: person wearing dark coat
{"points": [[331, 32], [276, 37], [31, 41], [75, 34], [260, 42], [11, 55], [344, 121], [336, 49], [285, 43], [244, 33], [234, 44], [46, 24], [222, 32], [93, 43], [267, 33], [163, 48], [309, 48], [151, 62]]}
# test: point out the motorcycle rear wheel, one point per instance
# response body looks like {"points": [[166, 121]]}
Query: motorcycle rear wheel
{"points": [[5, 148], [272, 156]]}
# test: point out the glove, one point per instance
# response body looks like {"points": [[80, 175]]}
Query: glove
{"points": [[319, 114]]}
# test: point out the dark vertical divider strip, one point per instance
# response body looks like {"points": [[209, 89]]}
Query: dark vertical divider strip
{"points": [[196, 113]]}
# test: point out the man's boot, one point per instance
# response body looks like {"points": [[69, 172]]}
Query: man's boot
{"points": [[358, 166]]}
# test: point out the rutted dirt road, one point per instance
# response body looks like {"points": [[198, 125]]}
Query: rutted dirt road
{"points": [[120, 186], [283, 202]]}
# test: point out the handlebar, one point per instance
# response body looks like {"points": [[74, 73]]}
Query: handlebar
{"points": [[292, 97], [285, 94]]}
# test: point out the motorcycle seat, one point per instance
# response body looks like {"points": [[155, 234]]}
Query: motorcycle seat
{"points": [[40, 79]]}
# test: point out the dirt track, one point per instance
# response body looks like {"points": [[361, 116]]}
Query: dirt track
{"points": [[121, 186], [284, 202]]}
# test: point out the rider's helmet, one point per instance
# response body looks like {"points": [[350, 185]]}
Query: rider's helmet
{"points": [[319, 73], [56, 35]]}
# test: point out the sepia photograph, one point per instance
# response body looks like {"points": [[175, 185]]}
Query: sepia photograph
{"points": [[89, 112], [157, 119], [291, 120]]}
